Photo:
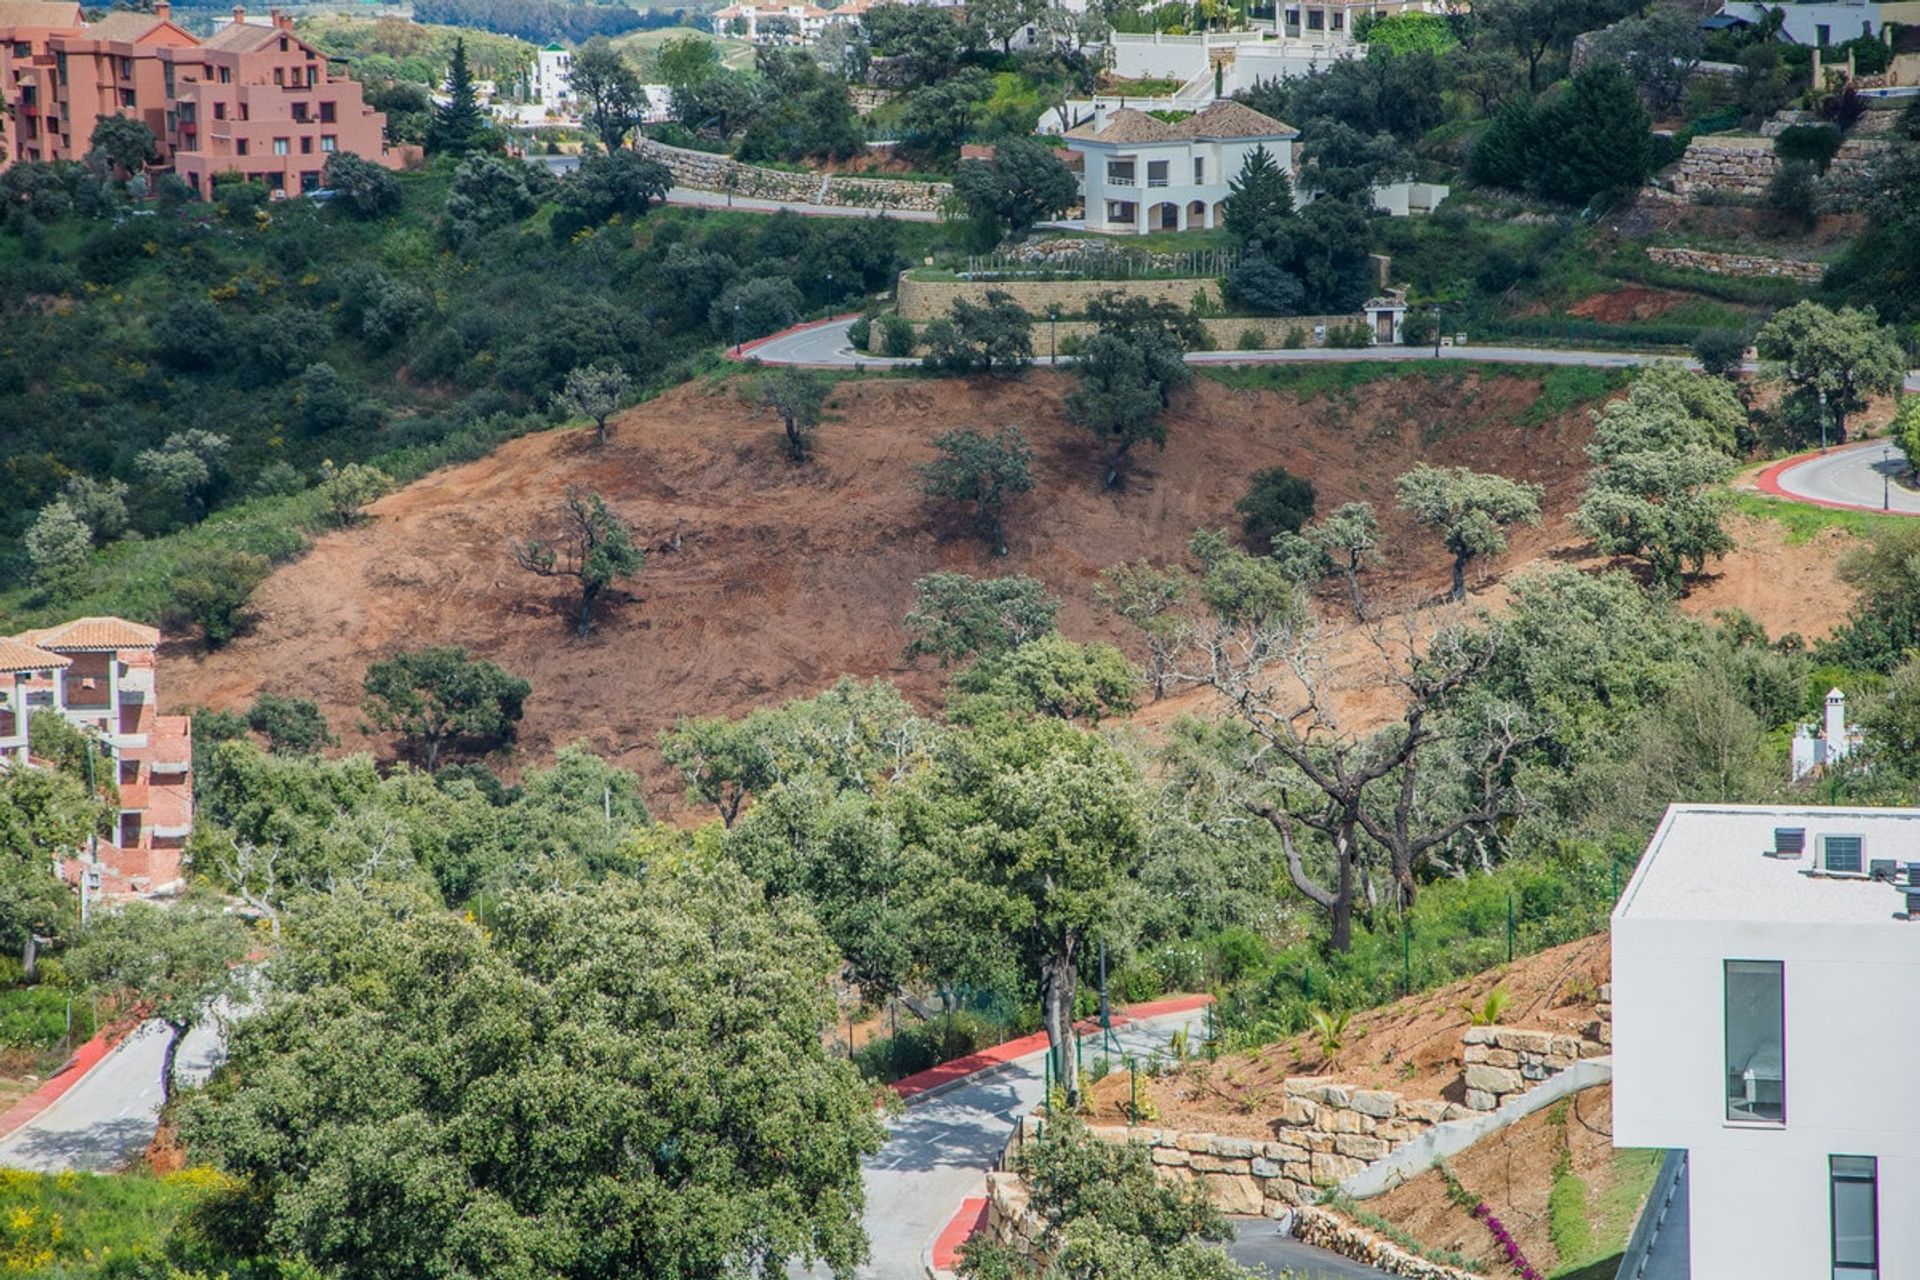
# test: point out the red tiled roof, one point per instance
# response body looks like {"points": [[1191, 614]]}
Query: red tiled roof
{"points": [[38, 13], [96, 634], [19, 655]]}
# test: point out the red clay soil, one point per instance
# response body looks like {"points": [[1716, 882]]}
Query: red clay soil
{"points": [[1630, 304], [786, 577], [1513, 1172], [1411, 1047]]}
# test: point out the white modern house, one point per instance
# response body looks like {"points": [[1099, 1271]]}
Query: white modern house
{"points": [[771, 21], [1832, 22], [1766, 1021], [1144, 174]]}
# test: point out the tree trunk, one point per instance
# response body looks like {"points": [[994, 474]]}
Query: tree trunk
{"points": [[1459, 577], [1057, 985], [176, 1032], [1353, 589], [602, 424], [30, 956], [1342, 909], [433, 755], [586, 613]]}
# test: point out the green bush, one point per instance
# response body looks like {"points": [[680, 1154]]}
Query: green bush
{"points": [[1251, 340], [860, 332], [36, 1017], [896, 337], [939, 1039], [1816, 144]]}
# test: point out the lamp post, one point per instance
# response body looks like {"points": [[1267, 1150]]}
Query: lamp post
{"points": [[1053, 334], [1823, 422], [736, 328], [829, 290]]}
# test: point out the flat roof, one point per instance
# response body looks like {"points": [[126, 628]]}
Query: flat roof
{"points": [[1713, 862]]}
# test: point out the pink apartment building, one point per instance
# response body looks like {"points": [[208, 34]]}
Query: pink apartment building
{"points": [[253, 98], [99, 674]]}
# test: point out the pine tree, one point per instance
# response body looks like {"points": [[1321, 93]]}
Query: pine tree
{"points": [[457, 123], [1258, 202]]}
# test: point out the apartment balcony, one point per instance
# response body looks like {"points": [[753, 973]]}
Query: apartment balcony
{"points": [[125, 741]]}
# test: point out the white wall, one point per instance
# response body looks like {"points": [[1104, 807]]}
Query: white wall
{"points": [[1759, 1194], [1846, 21]]}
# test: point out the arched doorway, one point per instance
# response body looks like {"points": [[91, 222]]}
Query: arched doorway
{"points": [[1197, 215], [1164, 217]]}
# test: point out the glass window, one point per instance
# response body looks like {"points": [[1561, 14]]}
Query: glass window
{"points": [[281, 146], [1199, 170], [1756, 1041], [328, 142], [1856, 1217]]}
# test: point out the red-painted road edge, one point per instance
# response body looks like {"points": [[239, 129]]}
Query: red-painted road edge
{"points": [[747, 349], [969, 1221], [1768, 482], [71, 1072], [1001, 1054]]}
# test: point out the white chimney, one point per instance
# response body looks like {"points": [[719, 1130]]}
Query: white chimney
{"points": [[1836, 727]]}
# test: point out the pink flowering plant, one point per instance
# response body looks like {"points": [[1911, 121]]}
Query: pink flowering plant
{"points": [[1504, 1238]]}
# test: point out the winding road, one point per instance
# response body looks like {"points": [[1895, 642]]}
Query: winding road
{"points": [[108, 1117], [1854, 477]]}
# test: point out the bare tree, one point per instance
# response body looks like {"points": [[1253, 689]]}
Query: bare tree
{"points": [[1369, 796]]}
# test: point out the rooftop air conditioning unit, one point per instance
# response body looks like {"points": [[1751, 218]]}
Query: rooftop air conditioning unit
{"points": [[1789, 842], [1843, 854]]}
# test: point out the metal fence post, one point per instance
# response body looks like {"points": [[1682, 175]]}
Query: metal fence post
{"points": [[1509, 926]]}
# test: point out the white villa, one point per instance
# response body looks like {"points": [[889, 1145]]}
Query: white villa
{"points": [[553, 76], [1766, 1022], [768, 21], [1143, 174]]}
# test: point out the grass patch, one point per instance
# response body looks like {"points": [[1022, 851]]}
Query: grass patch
{"points": [[1566, 387], [1313, 380], [72, 1224], [1803, 520], [1616, 1211], [1567, 1224]]}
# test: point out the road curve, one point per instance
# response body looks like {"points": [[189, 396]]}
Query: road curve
{"points": [[107, 1119], [1855, 477]]}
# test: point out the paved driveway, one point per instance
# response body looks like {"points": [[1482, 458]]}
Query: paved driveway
{"points": [[1856, 475]]}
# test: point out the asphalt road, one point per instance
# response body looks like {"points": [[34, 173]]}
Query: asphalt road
{"points": [[1856, 475], [108, 1119], [826, 345], [1258, 1243]]}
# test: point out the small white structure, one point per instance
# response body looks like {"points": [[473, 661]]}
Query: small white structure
{"points": [[1410, 199], [1834, 742], [1142, 174], [1766, 1020], [553, 77], [1833, 22]]}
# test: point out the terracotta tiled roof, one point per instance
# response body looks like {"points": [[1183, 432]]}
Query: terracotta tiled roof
{"points": [[240, 37], [123, 25], [38, 13], [96, 634], [1229, 119], [1127, 125], [19, 655]]}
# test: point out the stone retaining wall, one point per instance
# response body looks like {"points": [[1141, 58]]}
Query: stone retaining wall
{"points": [[1738, 264], [1741, 166], [704, 171], [1324, 1133], [922, 300], [1503, 1061], [1327, 1230], [1011, 1220]]}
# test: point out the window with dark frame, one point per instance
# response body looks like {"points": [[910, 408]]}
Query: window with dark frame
{"points": [[1854, 1196], [1756, 1041]]}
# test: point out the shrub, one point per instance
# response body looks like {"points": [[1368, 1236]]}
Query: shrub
{"points": [[1251, 340], [1816, 144], [211, 588], [939, 1039], [896, 337], [1351, 336], [860, 333], [1276, 501], [1720, 351]]}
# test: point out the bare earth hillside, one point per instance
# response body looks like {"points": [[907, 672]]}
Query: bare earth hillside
{"points": [[785, 577]]}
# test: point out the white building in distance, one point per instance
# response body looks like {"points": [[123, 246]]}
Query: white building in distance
{"points": [[1143, 174], [1834, 742], [1766, 1021], [553, 77]]}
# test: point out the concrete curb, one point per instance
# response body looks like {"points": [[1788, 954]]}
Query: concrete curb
{"points": [[1768, 481], [746, 349], [1455, 1136], [75, 1069]]}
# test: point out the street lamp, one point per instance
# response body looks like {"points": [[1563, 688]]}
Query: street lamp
{"points": [[736, 328], [829, 289], [1053, 334]]}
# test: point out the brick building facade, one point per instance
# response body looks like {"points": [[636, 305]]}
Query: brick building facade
{"points": [[253, 98]]}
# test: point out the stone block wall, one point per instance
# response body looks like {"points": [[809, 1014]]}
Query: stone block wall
{"points": [[1737, 264], [923, 300], [1743, 166], [1011, 1220], [1327, 1230], [1324, 1133], [704, 171], [1504, 1061]]}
